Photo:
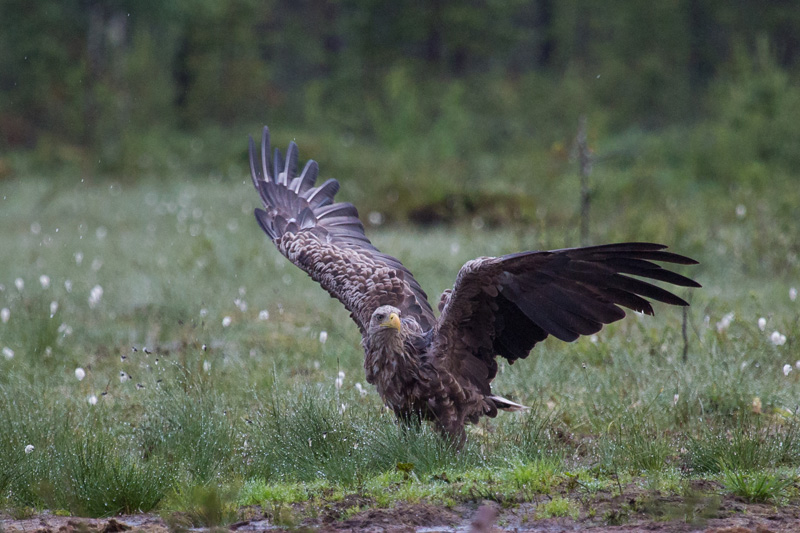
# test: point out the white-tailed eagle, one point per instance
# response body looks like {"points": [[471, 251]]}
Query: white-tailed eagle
{"points": [[441, 369]]}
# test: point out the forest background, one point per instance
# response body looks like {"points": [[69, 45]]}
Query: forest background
{"points": [[138, 89]]}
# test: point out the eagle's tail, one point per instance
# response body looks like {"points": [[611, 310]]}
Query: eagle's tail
{"points": [[507, 405]]}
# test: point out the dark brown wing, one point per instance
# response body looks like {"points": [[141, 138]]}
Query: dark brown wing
{"points": [[327, 240], [505, 305]]}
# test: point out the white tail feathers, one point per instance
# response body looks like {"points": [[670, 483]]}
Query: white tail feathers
{"points": [[507, 405]]}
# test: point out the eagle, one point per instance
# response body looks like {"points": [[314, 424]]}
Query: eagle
{"points": [[441, 369]]}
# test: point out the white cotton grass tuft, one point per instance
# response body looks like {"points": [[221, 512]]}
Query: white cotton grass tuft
{"points": [[44, 281], [675, 399], [725, 323], [339, 380], [8, 353], [226, 321], [206, 366], [741, 211], [53, 308], [361, 390], [80, 374], [777, 338], [263, 315], [68, 285], [323, 337], [793, 294], [19, 283], [29, 448], [92, 400], [95, 295], [5, 315], [762, 323], [375, 218], [787, 369]]}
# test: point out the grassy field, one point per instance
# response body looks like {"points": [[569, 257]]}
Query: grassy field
{"points": [[159, 355]]}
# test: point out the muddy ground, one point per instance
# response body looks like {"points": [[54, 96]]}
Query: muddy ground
{"points": [[705, 509]]}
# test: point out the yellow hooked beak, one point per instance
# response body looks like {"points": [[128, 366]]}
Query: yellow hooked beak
{"points": [[392, 322]]}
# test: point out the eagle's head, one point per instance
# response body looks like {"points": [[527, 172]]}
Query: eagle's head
{"points": [[386, 318]]}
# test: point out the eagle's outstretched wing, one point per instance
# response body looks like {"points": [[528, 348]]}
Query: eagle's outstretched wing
{"points": [[327, 240], [505, 305]]}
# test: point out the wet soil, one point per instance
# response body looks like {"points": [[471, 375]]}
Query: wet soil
{"points": [[702, 510]]}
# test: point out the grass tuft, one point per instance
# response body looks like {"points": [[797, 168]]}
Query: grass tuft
{"points": [[557, 507], [751, 442], [760, 486], [207, 505]]}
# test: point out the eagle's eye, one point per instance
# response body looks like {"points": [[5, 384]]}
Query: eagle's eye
{"points": [[380, 317]]}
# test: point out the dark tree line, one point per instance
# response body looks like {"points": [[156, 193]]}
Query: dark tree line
{"points": [[89, 72]]}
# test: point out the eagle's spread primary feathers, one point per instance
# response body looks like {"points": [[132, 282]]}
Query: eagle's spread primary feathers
{"points": [[441, 369]]}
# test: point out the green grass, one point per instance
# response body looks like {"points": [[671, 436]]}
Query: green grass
{"points": [[557, 507], [756, 486], [222, 408]]}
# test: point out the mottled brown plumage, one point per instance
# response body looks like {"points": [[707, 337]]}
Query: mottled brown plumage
{"points": [[426, 368]]}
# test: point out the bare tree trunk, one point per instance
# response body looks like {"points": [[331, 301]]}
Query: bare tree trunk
{"points": [[585, 161], [685, 334]]}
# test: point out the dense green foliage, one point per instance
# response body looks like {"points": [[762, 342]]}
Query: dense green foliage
{"points": [[137, 88]]}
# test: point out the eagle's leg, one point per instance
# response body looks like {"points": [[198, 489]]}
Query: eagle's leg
{"points": [[455, 436], [448, 424]]}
